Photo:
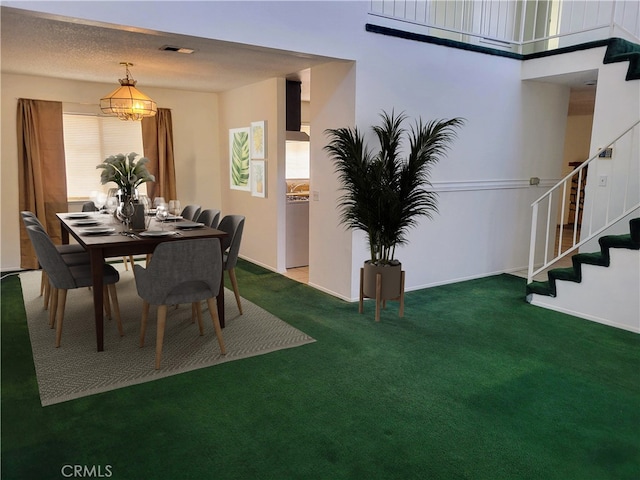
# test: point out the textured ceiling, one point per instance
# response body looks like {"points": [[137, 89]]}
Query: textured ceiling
{"points": [[37, 44], [45, 45]]}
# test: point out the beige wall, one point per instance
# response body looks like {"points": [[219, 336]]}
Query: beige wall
{"points": [[195, 144], [333, 87], [264, 224]]}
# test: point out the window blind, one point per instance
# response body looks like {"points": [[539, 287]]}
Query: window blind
{"points": [[88, 140]]}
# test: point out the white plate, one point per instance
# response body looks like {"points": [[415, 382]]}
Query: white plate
{"points": [[156, 233], [98, 230], [86, 222], [173, 218], [74, 216], [189, 225]]}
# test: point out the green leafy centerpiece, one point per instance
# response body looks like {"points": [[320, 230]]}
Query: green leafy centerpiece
{"points": [[128, 172]]}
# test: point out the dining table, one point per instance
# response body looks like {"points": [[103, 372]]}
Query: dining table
{"points": [[103, 236]]}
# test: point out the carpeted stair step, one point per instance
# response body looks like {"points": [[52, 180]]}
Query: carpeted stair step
{"points": [[620, 50], [602, 258]]}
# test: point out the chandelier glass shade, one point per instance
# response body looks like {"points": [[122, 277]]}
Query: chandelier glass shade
{"points": [[127, 102]]}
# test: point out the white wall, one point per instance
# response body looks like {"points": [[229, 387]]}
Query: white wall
{"points": [[195, 136], [617, 108], [513, 130], [607, 295]]}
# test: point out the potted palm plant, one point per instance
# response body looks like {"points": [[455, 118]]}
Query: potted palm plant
{"points": [[384, 193]]}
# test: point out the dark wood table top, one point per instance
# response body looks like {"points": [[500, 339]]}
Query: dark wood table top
{"points": [[115, 243]]}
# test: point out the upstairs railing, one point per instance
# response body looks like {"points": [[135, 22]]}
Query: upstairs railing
{"points": [[518, 26], [595, 195]]}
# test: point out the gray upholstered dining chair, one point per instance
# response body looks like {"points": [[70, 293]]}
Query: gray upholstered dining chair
{"points": [[233, 225], [64, 277], [209, 217], [188, 271], [89, 207], [190, 212], [72, 254]]}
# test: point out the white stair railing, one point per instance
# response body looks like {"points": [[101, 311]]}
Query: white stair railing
{"points": [[611, 194]]}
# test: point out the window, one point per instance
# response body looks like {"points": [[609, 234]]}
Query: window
{"points": [[88, 140], [297, 157]]}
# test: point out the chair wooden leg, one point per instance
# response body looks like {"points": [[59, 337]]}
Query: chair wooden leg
{"points": [[125, 260], [143, 321], [53, 293], [47, 293], [378, 295], [131, 260], [43, 282], [213, 311], [162, 320], [62, 300], [105, 301], [361, 303], [195, 306], [401, 311], [236, 292], [116, 307]]}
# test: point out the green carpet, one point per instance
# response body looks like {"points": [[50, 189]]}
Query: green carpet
{"points": [[473, 383]]}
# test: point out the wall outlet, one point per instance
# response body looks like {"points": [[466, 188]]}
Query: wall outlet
{"points": [[534, 181], [602, 181]]}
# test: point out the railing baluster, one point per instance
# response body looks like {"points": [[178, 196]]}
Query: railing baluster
{"points": [[532, 242], [562, 209], [576, 220], [546, 240]]}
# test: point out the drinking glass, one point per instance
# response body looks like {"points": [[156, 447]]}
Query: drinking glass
{"points": [[99, 200], [174, 207], [111, 204], [158, 201], [146, 204], [161, 214]]}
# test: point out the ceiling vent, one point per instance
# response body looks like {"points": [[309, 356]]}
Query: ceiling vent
{"points": [[171, 48]]}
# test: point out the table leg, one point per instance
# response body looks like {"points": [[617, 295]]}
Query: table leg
{"points": [[97, 273], [64, 234], [220, 298]]}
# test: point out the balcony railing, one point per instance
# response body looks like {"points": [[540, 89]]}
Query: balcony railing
{"points": [[517, 26]]}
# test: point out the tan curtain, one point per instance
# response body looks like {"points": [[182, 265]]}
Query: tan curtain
{"points": [[41, 169], [157, 140]]}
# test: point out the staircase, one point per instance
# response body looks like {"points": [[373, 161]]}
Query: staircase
{"points": [[602, 286], [620, 50]]}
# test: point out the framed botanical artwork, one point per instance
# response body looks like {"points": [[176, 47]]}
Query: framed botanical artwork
{"points": [[239, 159], [258, 140], [258, 178]]}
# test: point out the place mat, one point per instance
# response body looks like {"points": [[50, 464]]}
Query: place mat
{"points": [[76, 369]]}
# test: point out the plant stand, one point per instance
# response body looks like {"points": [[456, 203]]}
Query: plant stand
{"points": [[378, 296]]}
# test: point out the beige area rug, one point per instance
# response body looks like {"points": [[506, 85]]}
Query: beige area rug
{"points": [[76, 369]]}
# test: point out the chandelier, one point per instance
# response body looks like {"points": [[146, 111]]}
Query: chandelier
{"points": [[127, 102]]}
